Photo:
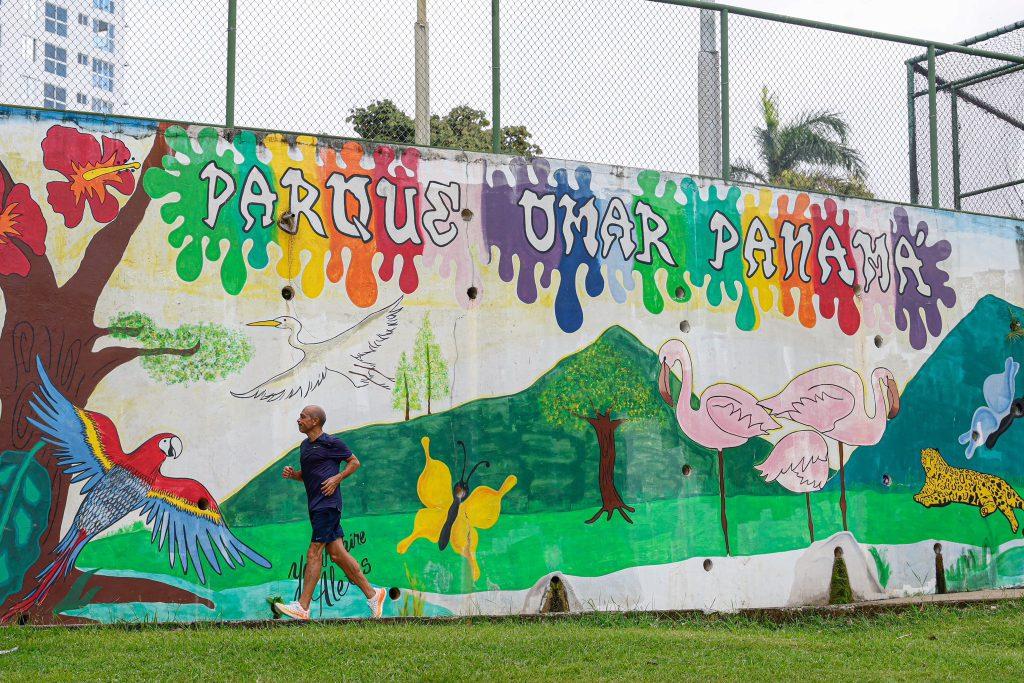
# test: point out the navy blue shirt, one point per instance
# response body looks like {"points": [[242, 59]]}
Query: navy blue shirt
{"points": [[320, 460]]}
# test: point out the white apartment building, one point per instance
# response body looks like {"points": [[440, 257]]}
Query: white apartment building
{"points": [[62, 54]]}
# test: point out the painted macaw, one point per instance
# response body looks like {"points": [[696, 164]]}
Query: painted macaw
{"points": [[182, 512]]}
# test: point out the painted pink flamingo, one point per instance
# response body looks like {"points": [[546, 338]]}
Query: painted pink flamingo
{"points": [[799, 462], [831, 399], [728, 415]]}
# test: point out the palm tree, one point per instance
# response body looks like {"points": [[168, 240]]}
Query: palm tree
{"points": [[810, 153]]}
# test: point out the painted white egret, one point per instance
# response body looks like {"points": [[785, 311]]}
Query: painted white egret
{"points": [[345, 354]]}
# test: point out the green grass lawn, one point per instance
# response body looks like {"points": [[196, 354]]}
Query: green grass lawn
{"points": [[931, 643]]}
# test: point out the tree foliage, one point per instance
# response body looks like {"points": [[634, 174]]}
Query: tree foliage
{"points": [[406, 393], [599, 378], [810, 153], [213, 351], [461, 128], [429, 364]]}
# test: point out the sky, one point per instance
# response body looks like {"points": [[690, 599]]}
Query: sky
{"points": [[611, 81]]}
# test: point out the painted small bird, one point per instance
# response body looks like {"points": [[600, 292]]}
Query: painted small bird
{"points": [[346, 354], [183, 514]]}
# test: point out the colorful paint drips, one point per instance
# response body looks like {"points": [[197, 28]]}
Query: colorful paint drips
{"points": [[754, 252]]}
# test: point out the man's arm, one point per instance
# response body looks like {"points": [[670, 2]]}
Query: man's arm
{"points": [[331, 483]]}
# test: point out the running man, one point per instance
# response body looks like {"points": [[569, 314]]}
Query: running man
{"points": [[320, 457]]}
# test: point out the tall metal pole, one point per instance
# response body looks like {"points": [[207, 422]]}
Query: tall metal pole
{"points": [[229, 106], [726, 163], [709, 103], [915, 190], [956, 147], [933, 127], [495, 77], [422, 75]]}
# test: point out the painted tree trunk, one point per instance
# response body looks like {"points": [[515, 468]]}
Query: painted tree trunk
{"points": [[611, 500], [57, 325], [405, 378]]}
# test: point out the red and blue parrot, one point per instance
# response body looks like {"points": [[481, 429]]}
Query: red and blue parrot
{"points": [[182, 512]]}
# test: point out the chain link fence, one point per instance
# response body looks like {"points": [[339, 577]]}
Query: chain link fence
{"points": [[622, 82], [979, 127]]}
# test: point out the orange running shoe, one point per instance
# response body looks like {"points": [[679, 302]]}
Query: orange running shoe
{"points": [[293, 609], [376, 603]]}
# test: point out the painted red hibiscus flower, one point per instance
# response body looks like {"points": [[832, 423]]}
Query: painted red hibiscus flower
{"points": [[91, 172], [21, 220]]}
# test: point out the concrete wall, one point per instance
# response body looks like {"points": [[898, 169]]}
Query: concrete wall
{"points": [[679, 394]]}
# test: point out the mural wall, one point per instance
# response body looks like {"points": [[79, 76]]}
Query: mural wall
{"points": [[668, 392]]}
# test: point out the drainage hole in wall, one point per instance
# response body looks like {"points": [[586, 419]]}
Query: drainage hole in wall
{"points": [[472, 292], [467, 214], [680, 292], [287, 222], [886, 480], [203, 504], [287, 293], [708, 564], [394, 593], [857, 289], [878, 341], [684, 326], [937, 548], [838, 552], [687, 470]]}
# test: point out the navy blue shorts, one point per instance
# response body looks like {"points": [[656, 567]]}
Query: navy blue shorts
{"points": [[326, 525]]}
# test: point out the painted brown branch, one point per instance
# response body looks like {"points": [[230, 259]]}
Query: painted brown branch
{"points": [[107, 247], [126, 331], [112, 357], [117, 589], [112, 590]]}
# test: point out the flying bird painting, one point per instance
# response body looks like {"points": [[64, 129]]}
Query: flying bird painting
{"points": [[998, 391], [182, 513], [346, 354]]}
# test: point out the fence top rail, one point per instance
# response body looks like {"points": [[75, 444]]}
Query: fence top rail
{"points": [[849, 30], [981, 37]]}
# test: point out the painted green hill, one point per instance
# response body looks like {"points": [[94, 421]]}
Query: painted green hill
{"points": [[557, 468], [937, 404]]}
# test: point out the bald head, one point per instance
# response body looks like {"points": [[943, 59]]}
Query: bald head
{"points": [[317, 413]]}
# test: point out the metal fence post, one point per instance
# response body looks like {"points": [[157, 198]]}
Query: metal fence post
{"points": [[495, 78], [724, 52], [954, 119], [933, 127], [422, 86], [915, 188], [229, 109]]}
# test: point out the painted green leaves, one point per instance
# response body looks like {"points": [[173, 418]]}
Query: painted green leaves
{"points": [[193, 352], [24, 508], [196, 179]]}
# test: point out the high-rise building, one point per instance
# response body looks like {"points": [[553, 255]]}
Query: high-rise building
{"points": [[62, 54]]}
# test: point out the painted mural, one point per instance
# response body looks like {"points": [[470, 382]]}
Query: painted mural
{"points": [[668, 392]]}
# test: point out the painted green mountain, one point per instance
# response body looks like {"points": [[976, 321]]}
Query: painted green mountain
{"points": [[556, 467], [936, 406]]}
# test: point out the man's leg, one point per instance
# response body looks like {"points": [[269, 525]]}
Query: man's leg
{"points": [[314, 563], [343, 558]]}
